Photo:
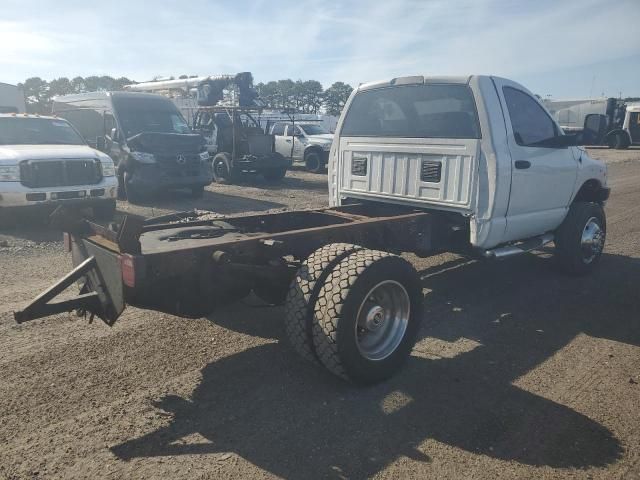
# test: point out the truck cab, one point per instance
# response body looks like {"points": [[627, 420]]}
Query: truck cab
{"points": [[307, 142], [482, 147]]}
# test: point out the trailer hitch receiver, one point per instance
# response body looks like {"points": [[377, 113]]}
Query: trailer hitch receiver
{"points": [[42, 305]]}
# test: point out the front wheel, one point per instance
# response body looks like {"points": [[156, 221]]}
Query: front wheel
{"points": [[222, 169], [367, 316], [274, 174], [581, 237], [621, 141], [313, 162]]}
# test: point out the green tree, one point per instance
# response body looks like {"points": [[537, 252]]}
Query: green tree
{"points": [[312, 96], [60, 86], [336, 96], [36, 93]]}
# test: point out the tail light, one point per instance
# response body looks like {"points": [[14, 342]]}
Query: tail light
{"points": [[128, 269]]}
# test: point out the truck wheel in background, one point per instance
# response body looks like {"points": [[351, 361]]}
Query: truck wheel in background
{"points": [[133, 195], [580, 239], [621, 141], [313, 162], [122, 194], [274, 174], [303, 293], [367, 316], [105, 210], [222, 169]]}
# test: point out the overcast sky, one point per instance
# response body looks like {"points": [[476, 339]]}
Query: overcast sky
{"points": [[562, 48]]}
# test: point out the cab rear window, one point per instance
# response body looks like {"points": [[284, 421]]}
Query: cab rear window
{"points": [[413, 111]]}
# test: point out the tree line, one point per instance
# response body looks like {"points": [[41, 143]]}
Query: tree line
{"points": [[299, 96]]}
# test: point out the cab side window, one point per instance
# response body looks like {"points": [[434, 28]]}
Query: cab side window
{"points": [[293, 131], [531, 124], [278, 129], [109, 124]]}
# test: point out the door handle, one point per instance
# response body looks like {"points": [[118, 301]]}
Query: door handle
{"points": [[288, 141], [522, 164]]}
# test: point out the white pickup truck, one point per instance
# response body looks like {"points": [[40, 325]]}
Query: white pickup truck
{"points": [[44, 162], [473, 165], [305, 142], [481, 146]]}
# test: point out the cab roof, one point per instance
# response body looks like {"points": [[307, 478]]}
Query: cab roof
{"points": [[416, 80]]}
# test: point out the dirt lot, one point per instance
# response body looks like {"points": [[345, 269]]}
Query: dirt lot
{"points": [[520, 373]]}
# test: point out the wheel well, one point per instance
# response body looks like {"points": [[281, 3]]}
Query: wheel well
{"points": [[590, 191], [312, 148], [615, 132]]}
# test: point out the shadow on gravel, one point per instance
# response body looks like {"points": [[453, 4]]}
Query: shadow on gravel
{"points": [[180, 200], [295, 421], [32, 226]]}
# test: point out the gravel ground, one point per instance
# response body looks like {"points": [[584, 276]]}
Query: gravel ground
{"points": [[520, 372]]}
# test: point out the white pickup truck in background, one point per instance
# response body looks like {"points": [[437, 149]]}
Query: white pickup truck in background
{"points": [[481, 147], [45, 162], [303, 142]]}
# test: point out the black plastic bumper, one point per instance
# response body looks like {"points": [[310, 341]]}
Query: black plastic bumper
{"points": [[151, 178], [261, 163], [51, 205]]}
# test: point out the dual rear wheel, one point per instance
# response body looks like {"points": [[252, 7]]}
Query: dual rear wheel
{"points": [[354, 311]]}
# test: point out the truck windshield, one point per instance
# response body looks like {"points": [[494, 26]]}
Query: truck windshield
{"points": [[37, 131], [149, 115], [314, 129], [414, 111]]}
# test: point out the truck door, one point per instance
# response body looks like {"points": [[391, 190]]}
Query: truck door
{"points": [[297, 139], [634, 127], [542, 178], [282, 147]]}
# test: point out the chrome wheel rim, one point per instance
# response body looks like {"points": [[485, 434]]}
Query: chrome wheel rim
{"points": [[220, 168], [382, 320], [592, 240]]}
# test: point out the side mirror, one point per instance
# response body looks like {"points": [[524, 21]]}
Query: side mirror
{"points": [[101, 143], [114, 134]]}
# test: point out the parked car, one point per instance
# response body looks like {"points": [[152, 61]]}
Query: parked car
{"points": [[303, 142], [150, 142], [45, 162]]}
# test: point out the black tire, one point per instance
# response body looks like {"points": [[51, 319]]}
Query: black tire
{"points": [[197, 192], [133, 194], [303, 293], [313, 162], [105, 210], [122, 194], [576, 255], [621, 141], [274, 174], [222, 169], [348, 288]]}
